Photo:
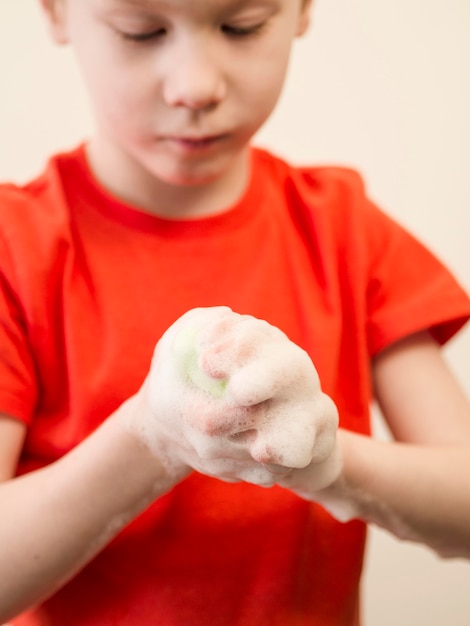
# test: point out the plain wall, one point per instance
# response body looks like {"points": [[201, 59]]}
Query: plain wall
{"points": [[380, 86]]}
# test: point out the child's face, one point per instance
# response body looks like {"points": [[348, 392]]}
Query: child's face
{"points": [[180, 86]]}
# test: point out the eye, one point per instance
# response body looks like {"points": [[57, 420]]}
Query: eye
{"points": [[143, 37], [241, 31]]}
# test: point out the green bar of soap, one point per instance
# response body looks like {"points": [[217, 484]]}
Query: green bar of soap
{"points": [[184, 346]]}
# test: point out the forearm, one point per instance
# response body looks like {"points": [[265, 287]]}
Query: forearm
{"points": [[53, 521], [415, 492]]}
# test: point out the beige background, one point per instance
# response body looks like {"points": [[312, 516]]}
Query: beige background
{"points": [[380, 86]]}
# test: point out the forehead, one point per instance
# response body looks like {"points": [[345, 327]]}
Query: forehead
{"points": [[188, 4], [200, 10], [195, 9]]}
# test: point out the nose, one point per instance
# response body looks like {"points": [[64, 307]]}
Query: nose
{"points": [[194, 79]]}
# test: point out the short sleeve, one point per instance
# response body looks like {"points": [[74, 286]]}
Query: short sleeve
{"points": [[409, 288], [18, 386]]}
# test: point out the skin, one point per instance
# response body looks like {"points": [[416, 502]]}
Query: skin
{"points": [[175, 111], [241, 434], [145, 114]]}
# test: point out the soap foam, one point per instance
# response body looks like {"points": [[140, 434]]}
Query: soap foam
{"points": [[262, 384]]}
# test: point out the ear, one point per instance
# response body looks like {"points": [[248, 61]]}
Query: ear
{"points": [[304, 17], [54, 12]]}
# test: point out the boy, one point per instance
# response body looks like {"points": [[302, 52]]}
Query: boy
{"points": [[167, 209]]}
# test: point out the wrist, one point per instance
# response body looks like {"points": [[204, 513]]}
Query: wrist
{"points": [[351, 495], [342, 497], [156, 457]]}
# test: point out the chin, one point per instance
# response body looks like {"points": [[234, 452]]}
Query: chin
{"points": [[185, 179], [195, 172]]}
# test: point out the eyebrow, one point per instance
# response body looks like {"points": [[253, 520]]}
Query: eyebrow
{"points": [[154, 4], [145, 3]]}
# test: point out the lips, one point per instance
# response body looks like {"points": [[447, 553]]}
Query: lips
{"points": [[194, 143], [197, 141]]}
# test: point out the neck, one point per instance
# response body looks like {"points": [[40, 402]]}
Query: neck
{"points": [[128, 180]]}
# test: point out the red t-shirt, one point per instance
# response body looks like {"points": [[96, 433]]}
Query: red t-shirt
{"points": [[89, 284]]}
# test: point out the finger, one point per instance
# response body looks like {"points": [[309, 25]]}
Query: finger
{"points": [[279, 370]]}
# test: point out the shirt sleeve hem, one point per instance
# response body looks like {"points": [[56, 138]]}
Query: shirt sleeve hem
{"points": [[442, 328], [15, 408]]}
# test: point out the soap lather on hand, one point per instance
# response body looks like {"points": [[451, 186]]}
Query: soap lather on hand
{"points": [[238, 400]]}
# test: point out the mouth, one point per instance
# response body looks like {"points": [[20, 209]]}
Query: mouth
{"points": [[194, 144]]}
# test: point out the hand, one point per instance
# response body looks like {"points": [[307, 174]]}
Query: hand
{"points": [[232, 397]]}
